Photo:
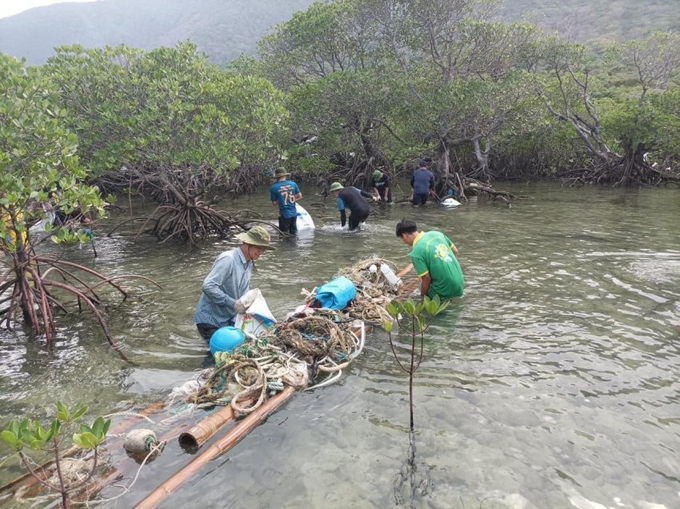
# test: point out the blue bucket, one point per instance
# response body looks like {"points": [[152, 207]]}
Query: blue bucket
{"points": [[225, 339]]}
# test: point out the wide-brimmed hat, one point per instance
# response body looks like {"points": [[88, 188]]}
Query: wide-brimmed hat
{"points": [[256, 236], [336, 186], [281, 172], [377, 174]]}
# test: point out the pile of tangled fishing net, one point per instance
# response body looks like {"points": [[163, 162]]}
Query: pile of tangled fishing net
{"points": [[311, 344], [374, 290]]}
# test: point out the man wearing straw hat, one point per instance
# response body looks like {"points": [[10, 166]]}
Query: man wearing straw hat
{"points": [[228, 281], [283, 194]]}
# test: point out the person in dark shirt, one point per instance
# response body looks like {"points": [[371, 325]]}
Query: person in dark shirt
{"points": [[381, 186], [351, 198], [422, 182]]}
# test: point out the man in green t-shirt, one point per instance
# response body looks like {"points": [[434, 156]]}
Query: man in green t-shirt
{"points": [[434, 260]]}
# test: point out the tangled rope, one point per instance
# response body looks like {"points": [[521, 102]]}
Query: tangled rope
{"points": [[310, 344], [374, 291]]}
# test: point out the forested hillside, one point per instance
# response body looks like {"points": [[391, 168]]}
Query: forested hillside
{"points": [[222, 28], [598, 20], [226, 28]]}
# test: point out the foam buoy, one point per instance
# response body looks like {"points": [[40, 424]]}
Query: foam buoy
{"points": [[140, 440], [225, 339]]}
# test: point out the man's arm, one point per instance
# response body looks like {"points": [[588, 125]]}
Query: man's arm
{"points": [[343, 217], [425, 282], [298, 196], [365, 194], [212, 284]]}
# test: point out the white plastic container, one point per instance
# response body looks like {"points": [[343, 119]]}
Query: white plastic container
{"points": [[389, 274]]}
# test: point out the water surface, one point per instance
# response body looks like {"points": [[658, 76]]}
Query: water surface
{"points": [[552, 384]]}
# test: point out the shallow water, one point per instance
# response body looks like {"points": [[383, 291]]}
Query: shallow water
{"points": [[552, 384]]}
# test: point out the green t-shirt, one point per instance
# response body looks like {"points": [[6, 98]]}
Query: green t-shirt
{"points": [[432, 253]]}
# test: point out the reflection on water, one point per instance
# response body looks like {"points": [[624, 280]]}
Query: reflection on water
{"points": [[552, 384]]}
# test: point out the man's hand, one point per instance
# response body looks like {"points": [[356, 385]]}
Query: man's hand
{"points": [[240, 307], [242, 304]]}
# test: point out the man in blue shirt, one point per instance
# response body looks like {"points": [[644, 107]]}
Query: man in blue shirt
{"points": [[283, 194], [228, 281], [422, 181], [351, 198]]}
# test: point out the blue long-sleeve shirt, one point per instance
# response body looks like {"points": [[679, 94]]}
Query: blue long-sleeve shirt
{"points": [[228, 280]]}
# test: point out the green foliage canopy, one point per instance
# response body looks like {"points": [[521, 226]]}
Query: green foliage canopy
{"points": [[39, 165], [168, 108]]}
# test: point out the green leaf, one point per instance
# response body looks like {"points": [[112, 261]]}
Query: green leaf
{"points": [[62, 412], [79, 412], [422, 323], [11, 438], [105, 430], [85, 440], [54, 430], [393, 308], [100, 427], [13, 426], [40, 432], [409, 307], [35, 444], [388, 325]]}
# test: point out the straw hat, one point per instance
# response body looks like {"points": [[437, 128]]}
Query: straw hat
{"points": [[256, 236], [281, 172], [336, 186]]}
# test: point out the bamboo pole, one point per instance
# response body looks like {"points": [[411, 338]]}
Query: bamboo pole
{"points": [[193, 439], [231, 438]]}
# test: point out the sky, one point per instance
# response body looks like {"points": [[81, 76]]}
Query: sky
{"points": [[11, 7]]}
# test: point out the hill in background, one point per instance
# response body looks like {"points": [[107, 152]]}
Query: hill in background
{"points": [[598, 20], [222, 28], [226, 28]]}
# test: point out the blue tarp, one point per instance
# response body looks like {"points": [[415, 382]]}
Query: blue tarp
{"points": [[336, 294]]}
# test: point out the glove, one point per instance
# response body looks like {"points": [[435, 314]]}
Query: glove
{"points": [[246, 300], [240, 307]]}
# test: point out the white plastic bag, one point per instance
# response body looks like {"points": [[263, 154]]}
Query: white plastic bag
{"points": [[257, 317]]}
